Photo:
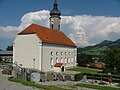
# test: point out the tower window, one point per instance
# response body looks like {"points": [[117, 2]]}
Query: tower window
{"points": [[58, 27], [52, 26]]}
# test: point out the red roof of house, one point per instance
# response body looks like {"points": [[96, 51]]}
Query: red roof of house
{"points": [[58, 64], [48, 35]]}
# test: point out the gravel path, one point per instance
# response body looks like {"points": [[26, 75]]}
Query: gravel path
{"points": [[7, 85], [66, 85]]}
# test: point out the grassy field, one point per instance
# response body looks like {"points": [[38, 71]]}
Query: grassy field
{"points": [[36, 85], [97, 87], [95, 50], [85, 70]]}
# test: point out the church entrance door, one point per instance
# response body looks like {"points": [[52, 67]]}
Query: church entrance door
{"points": [[62, 69]]}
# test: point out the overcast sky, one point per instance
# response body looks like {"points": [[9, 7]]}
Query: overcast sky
{"points": [[86, 22]]}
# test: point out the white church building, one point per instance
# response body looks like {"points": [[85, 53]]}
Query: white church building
{"points": [[45, 49]]}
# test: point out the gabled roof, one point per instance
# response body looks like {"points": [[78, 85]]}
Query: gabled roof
{"points": [[6, 53], [58, 64], [48, 35]]}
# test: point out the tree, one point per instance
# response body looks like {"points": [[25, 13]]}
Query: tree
{"points": [[83, 59], [9, 48], [113, 60]]}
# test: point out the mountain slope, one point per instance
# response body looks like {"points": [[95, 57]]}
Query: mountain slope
{"points": [[100, 48]]}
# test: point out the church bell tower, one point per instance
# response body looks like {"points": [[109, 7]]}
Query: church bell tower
{"points": [[55, 17]]}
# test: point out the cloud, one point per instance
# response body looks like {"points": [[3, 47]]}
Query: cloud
{"points": [[40, 17], [87, 30], [84, 30]]}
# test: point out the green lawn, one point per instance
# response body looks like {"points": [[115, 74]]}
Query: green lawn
{"points": [[57, 88], [85, 70], [97, 87], [36, 85]]}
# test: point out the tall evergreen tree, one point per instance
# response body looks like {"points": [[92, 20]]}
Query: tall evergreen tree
{"points": [[113, 60], [9, 48]]}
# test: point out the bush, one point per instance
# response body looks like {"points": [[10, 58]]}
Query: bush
{"points": [[78, 77]]}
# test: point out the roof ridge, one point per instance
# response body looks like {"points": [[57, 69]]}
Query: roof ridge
{"points": [[48, 35]]}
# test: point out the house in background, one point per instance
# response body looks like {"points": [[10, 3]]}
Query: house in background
{"points": [[99, 64], [45, 49], [7, 56]]}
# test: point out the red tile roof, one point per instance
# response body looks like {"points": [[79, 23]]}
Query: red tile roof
{"points": [[48, 35], [58, 64]]}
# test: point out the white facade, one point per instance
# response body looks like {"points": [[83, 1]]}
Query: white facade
{"points": [[26, 51], [30, 52], [59, 54]]}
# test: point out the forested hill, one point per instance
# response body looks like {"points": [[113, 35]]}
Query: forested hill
{"points": [[100, 48]]}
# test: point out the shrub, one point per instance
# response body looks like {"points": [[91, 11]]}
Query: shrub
{"points": [[78, 77]]}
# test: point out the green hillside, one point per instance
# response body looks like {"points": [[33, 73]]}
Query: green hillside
{"points": [[100, 48], [96, 50]]}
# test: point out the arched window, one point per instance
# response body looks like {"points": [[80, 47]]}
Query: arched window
{"points": [[57, 53], [57, 60], [72, 60], [61, 53], [69, 53], [52, 53], [69, 60], [65, 53], [65, 60], [61, 60], [72, 53], [51, 62]]}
